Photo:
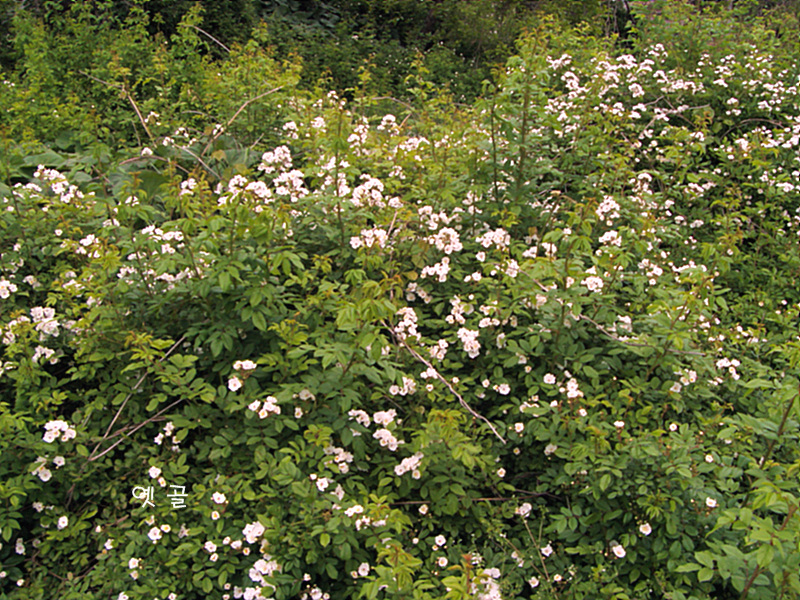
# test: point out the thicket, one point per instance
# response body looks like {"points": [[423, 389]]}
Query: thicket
{"points": [[542, 346]]}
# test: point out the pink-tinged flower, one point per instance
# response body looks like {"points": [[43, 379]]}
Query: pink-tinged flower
{"points": [[218, 498], [63, 522], [547, 550], [618, 551], [154, 534], [442, 561], [645, 529], [244, 365], [234, 383], [533, 582], [550, 379]]}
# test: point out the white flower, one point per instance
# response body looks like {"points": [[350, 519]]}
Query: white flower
{"points": [[154, 534], [215, 515], [519, 427], [252, 532], [154, 472], [244, 365], [59, 461], [442, 561], [618, 551], [619, 424], [234, 383], [547, 550], [210, 547], [363, 569], [383, 417], [440, 540], [501, 472], [524, 510], [63, 522], [533, 582], [550, 449], [645, 529], [673, 427], [218, 498], [711, 503], [133, 563], [550, 379], [709, 458]]}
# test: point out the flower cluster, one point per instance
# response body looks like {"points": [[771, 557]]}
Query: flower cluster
{"points": [[58, 427], [410, 463], [268, 407], [469, 340]]}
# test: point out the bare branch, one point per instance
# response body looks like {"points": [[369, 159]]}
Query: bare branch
{"points": [[461, 400], [603, 330], [125, 401]]}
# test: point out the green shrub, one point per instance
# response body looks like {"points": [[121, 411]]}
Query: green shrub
{"points": [[543, 347]]}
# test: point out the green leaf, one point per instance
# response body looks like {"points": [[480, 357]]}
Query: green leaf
{"points": [[705, 558], [764, 555], [705, 574], [224, 281], [259, 321], [325, 539]]}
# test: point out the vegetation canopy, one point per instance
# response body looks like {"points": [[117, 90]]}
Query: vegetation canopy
{"points": [[264, 340]]}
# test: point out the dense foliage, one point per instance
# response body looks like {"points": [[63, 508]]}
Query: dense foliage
{"points": [[260, 342]]}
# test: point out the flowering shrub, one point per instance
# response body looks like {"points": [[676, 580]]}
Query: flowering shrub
{"points": [[543, 348]]}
